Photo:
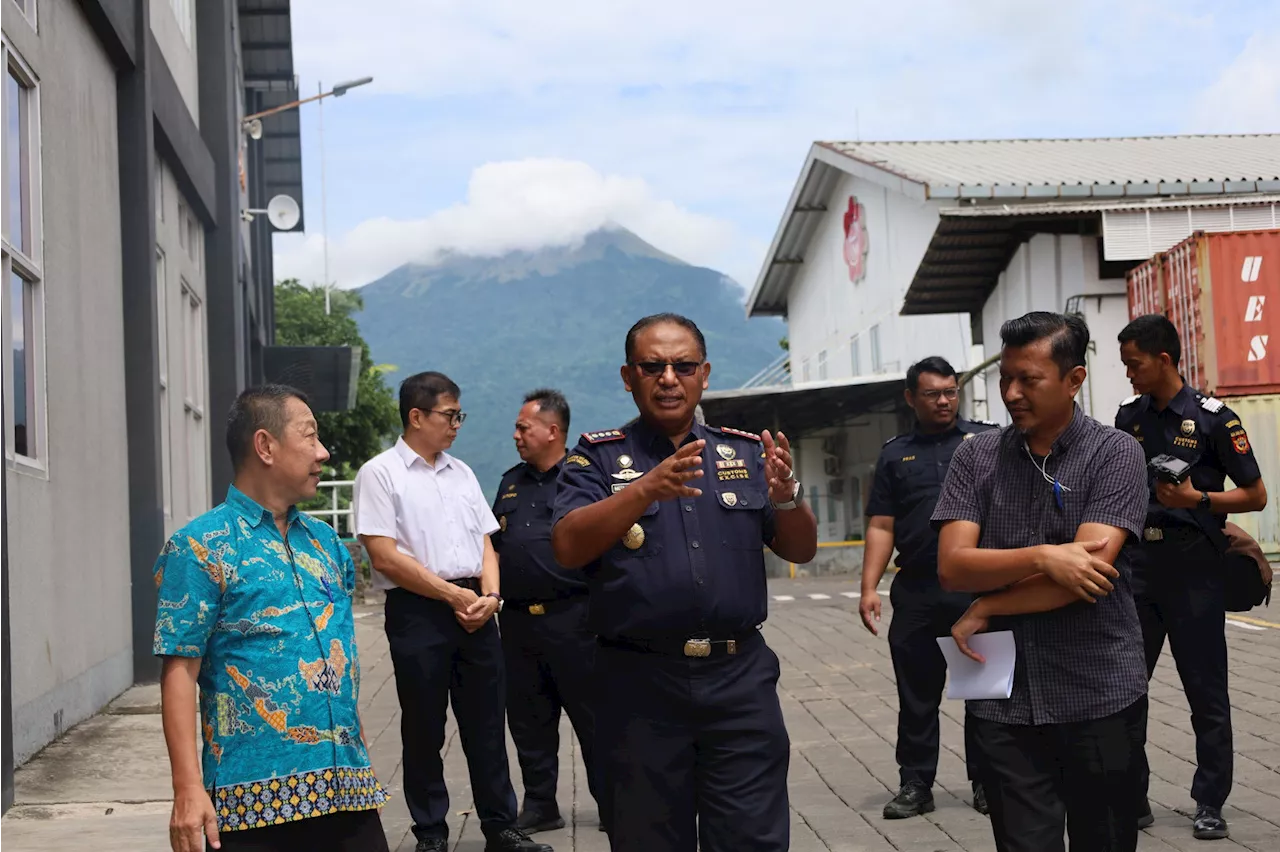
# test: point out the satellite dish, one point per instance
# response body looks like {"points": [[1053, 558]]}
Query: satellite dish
{"points": [[283, 212], [255, 128]]}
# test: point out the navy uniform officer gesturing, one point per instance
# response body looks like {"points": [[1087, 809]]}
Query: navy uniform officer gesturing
{"points": [[669, 519]]}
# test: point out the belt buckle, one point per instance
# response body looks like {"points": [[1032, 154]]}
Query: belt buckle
{"points": [[697, 648], [1152, 534], [731, 646], [537, 609]]}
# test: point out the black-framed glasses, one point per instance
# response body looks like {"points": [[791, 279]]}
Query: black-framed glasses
{"points": [[456, 418], [653, 369]]}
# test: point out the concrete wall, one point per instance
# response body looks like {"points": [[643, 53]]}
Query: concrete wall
{"points": [[68, 526], [825, 309], [840, 501], [1043, 275], [181, 294], [179, 51]]}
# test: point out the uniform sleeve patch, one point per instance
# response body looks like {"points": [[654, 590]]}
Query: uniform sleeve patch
{"points": [[1231, 423], [751, 435], [579, 460], [1212, 405], [603, 437], [1240, 441]]}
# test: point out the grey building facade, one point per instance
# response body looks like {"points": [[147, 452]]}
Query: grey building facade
{"points": [[137, 305]]}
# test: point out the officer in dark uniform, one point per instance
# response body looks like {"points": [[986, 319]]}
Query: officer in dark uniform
{"points": [[548, 650], [1178, 581], [908, 480], [669, 519]]}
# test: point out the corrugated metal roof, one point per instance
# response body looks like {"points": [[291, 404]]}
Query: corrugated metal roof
{"points": [[1151, 165]]}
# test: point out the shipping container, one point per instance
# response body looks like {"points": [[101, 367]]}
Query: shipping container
{"points": [[1214, 287], [1260, 416]]}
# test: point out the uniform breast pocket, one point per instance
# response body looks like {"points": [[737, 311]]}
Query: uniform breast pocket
{"points": [[741, 517], [641, 540]]}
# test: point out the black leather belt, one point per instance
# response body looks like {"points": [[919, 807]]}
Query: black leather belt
{"points": [[472, 583], [697, 646], [543, 607], [1176, 532]]}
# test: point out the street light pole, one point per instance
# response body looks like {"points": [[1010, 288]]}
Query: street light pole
{"points": [[324, 204]]}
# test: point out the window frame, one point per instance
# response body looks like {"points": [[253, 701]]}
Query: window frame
{"points": [[855, 355], [27, 263], [877, 358], [822, 365], [27, 10]]}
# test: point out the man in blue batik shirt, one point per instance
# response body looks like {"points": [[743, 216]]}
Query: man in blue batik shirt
{"points": [[255, 609]]}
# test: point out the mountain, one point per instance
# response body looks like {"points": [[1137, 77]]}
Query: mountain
{"points": [[558, 317]]}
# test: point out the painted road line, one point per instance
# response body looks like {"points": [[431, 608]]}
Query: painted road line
{"points": [[783, 598], [852, 594], [1243, 624], [818, 596], [1258, 622]]}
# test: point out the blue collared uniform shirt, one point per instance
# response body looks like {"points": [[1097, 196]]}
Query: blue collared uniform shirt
{"points": [[279, 674], [530, 573], [696, 568]]}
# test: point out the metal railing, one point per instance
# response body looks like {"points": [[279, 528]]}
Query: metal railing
{"points": [[335, 509], [777, 373]]}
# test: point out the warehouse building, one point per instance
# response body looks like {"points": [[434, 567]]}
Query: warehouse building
{"points": [[888, 252], [138, 304]]}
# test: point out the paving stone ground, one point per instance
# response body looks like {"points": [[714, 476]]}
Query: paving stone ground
{"points": [[105, 785]]}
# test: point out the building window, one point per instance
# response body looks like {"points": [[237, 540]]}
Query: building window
{"points": [[194, 234], [822, 365], [185, 12], [166, 417], [194, 426], [28, 10], [875, 348], [182, 223], [854, 361], [159, 179], [21, 254], [804, 369]]}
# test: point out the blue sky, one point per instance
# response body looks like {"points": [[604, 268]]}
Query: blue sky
{"points": [[499, 125]]}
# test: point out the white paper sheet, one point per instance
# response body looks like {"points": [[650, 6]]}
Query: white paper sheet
{"points": [[968, 678]]}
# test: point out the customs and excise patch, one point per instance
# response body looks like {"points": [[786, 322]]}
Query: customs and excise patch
{"points": [[1240, 441]]}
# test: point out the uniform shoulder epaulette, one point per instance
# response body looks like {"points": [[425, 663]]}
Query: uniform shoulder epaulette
{"points": [[1130, 400], [894, 438], [1211, 404], [748, 435], [603, 437], [985, 422]]}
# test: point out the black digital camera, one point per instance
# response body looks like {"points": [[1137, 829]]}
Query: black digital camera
{"points": [[1169, 469]]}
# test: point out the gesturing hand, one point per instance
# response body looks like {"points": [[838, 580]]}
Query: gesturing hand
{"points": [[667, 480], [1073, 566], [777, 468]]}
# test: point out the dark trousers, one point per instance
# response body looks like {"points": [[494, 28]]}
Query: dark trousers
{"points": [[346, 831], [549, 662], [694, 750], [1078, 775], [1178, 589], [437, 662], [921, 613]]}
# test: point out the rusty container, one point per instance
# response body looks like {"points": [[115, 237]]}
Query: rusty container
{"points": [[1222, 291]]}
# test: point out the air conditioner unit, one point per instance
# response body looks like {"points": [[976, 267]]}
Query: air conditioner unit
{"points": [[832, 466], [328, 375], [833, 445], [835, 487]]}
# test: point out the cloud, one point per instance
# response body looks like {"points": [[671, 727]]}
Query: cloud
{"points": [[517, 205], [1246, 96]]}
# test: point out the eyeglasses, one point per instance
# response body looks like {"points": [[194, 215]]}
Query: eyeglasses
{"points": [[456, 418], [654, 369], [934, 395]]}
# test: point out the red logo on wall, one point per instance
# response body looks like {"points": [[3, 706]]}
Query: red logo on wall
{"points": [[855, 240]]}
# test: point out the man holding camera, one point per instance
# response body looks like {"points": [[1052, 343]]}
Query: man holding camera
{"points": [[1192, 444]]}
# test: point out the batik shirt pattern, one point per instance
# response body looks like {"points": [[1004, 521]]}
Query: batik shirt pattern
{"points": [[279, 675]]}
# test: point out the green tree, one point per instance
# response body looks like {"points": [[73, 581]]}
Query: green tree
{"points": [[352, 437]]}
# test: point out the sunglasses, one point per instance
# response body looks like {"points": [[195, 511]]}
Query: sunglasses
{"points": [[654, 369]]}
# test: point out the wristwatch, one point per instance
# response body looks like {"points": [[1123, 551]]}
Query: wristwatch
{"points": [[796, 497], [497, 597], [1204, 501]]}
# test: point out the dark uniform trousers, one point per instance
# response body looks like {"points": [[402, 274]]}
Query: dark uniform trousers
{"points": [[549, 661], [922, 612], [694, 750], [345, 831], [1178, 589], [436, 662]]}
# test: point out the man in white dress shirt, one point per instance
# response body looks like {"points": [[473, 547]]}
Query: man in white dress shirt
{"points": [[426, 525]]}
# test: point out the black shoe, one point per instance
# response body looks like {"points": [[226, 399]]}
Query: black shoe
{"points": [[514, 840], [1146, 819], [912, 800], [980, 799], [532, 820], [1209, 824], [432, 844]]}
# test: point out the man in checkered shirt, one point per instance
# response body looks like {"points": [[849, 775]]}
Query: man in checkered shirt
{"points": [[1036, 518]]}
